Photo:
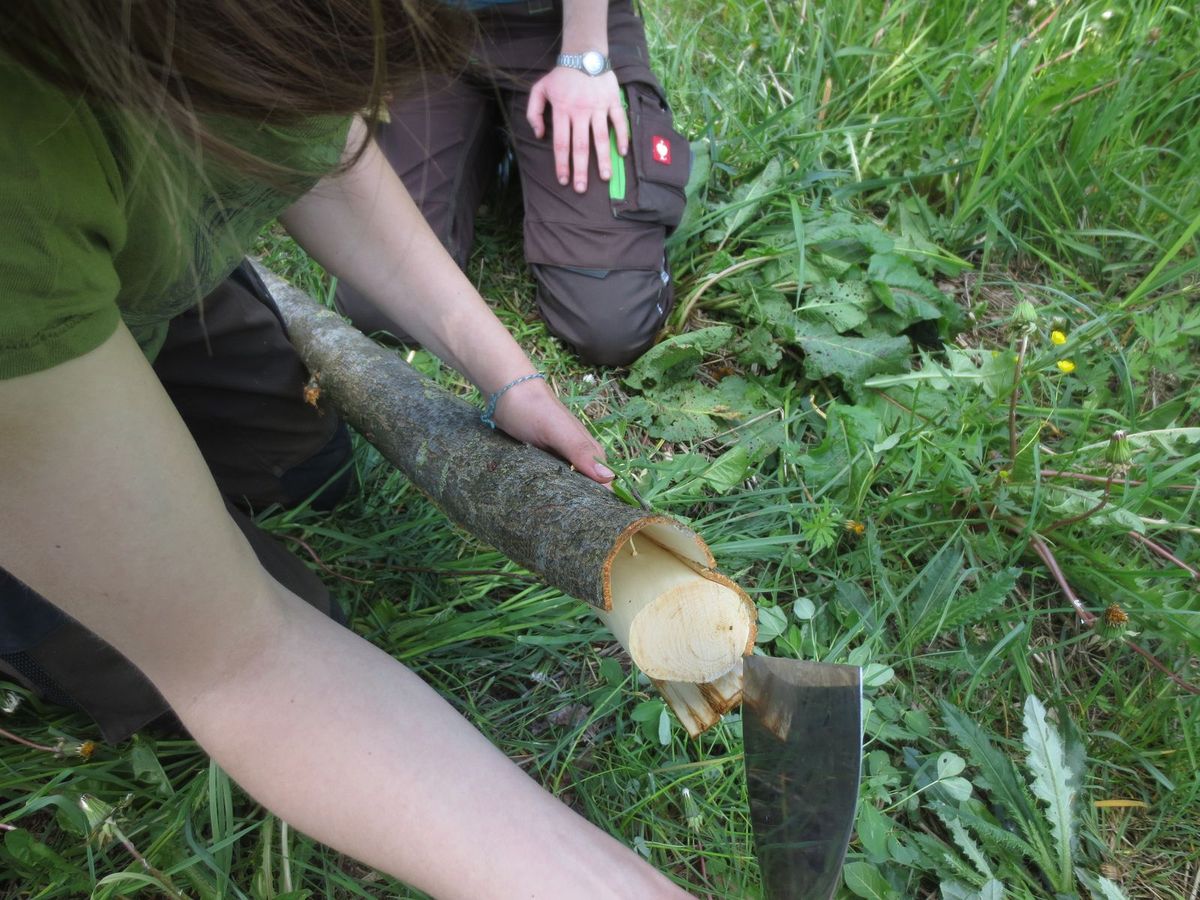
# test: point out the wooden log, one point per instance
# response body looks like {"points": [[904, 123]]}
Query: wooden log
{"points": [[649, 577]]}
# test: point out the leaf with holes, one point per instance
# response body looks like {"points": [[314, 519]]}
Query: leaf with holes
{"points": [[694, 412], [851, 360], [677, 356]]}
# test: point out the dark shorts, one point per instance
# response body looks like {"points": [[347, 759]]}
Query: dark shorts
{"points": [[599, 261], [238, 385]]}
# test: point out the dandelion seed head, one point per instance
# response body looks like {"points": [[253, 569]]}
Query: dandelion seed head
{"points": [[1114, 616]]}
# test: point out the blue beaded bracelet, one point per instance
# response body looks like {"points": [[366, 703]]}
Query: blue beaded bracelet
{"points": [[486, 416]]}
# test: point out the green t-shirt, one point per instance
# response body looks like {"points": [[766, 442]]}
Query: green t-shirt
{"points": [[97, 223]]}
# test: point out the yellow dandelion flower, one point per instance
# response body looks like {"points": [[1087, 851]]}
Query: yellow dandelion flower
{"points": [[1057, 338], [1065, 365], [855, 528]]}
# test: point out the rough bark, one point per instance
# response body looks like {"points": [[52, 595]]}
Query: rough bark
{"points": [[529, 505]]}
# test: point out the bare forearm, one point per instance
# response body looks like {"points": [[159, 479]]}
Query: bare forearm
{"points": [[356, 751], [364, 227], [585, 26]]}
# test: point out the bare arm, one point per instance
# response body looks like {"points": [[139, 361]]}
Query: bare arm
{"points": [[364, 227], [129, 536]]}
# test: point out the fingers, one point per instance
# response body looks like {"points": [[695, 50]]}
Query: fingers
{"points": [[562, 144], [587, 457], [620, 127], [535, 110], [603, 157], [581, 150]]}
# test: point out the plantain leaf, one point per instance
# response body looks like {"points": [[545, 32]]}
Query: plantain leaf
{"points": [[1053, 783]]}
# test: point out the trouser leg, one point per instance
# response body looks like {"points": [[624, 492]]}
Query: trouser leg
{"points": [[602, 281], [238, 386], [442, 144]]}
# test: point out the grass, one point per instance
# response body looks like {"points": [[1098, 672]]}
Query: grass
{"points": [[1045, 153]]}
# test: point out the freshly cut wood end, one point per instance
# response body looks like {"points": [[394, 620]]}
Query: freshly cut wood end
{"points": [[668, 533], [678, 619], [686, 625], [700, 706]]}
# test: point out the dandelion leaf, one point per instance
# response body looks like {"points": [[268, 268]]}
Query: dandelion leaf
{"points": [[966, 610], [934, 589], [1053, 781], [667, 360]]}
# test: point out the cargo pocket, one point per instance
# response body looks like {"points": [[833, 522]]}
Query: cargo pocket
{"points": [[657, 166]]}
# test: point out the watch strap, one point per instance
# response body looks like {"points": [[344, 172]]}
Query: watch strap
{"points": [[575, 61]]}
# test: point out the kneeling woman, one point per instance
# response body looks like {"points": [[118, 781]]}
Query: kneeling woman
{"points": [[148, 396]]}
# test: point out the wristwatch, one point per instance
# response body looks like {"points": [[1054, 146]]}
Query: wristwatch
{"points": [[593, 62]]}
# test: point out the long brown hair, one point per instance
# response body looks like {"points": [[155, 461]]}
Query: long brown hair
{"points": [[282, 61]]}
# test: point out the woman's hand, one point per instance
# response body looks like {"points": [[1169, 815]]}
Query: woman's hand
{"points": [[581, 108], [530, 412]]}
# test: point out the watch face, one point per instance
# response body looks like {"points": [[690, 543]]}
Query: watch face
{"points": [[593, 62]]}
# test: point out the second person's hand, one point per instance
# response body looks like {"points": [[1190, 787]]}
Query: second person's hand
{"points": [[581, 108]]}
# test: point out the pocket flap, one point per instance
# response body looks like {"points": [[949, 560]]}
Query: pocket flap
{"points": [[660, 153]]}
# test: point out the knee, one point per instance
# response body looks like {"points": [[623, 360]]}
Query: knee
{"points": [[610, 317]]}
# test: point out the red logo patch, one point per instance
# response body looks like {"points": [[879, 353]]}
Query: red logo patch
{"points": [[662, 150]]}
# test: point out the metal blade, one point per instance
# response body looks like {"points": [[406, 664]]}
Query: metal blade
{"points": [[802, 724]]}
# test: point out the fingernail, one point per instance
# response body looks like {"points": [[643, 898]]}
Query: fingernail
{"points": [[604, 471], [579, 186], [563, 181]]}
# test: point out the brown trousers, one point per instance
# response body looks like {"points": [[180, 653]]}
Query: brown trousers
{"points": [[238, 385], [598, 261]]}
